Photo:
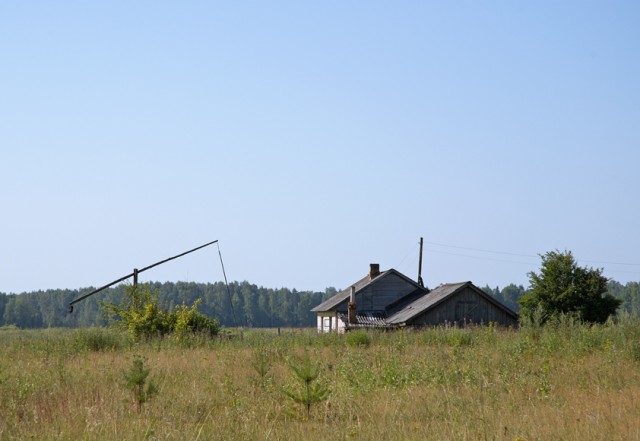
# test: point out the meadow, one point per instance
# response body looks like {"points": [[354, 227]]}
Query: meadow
{"points": [[564, 381]]}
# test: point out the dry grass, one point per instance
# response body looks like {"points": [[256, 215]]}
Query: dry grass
{"points": [[568, 382]]}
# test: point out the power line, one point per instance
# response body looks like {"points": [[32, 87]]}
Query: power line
{"points": [[479, 249], [609, 263], [604, 262], [478, 257], [411, 251], [621, 271]]}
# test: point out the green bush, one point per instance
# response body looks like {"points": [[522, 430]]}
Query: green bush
{"points": [[458, 337], [142, 316], [97, 339], [358, 338], [188, 320]]}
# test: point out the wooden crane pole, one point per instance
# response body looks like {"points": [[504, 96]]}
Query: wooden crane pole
{"points": [[134, 274]]}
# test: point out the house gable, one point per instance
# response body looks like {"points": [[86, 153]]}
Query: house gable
{"points": [[373, 295], [454, 303], [376, 296]]}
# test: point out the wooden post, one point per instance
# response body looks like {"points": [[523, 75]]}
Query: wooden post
{"points": [[420, 281], [135, 278]]}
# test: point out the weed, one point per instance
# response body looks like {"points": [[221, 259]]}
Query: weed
{"points": [[358, 338], [459, 337], [445, 383], [98, 339]]}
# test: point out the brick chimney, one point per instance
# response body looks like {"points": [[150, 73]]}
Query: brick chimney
{"points": [[374, 270], [351, 307]]}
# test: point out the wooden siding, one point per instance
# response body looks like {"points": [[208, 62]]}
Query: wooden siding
{"points": [[464, 306], [380, 294]]}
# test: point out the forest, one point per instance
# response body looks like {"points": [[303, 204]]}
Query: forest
{"points": [[244, 304]]}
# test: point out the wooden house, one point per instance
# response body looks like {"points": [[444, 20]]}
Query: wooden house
{"points": [[390, 299]]}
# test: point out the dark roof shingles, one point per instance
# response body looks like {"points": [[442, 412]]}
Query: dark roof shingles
{"points": [[423, 303], [343, 295]]}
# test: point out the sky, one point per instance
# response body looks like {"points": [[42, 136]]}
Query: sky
{"points": [[314, 138]]}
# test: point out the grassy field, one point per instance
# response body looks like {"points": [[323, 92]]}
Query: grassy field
{"points": [[563, 382]]}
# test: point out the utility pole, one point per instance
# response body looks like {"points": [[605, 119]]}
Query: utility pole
{"points": [[420, 281]]}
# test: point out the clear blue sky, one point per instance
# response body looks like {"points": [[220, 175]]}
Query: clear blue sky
{"points": [[312, 138]]}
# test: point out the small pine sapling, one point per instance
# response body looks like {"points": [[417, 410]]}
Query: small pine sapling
{"points": [[136, 380], [309, 392], [261, 365]]}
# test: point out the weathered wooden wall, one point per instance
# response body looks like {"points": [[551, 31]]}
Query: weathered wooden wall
{"points": [[377, 296], [465, 306]]}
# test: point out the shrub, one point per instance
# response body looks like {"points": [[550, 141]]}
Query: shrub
{"points": [[141, 315], [358, 338], [97, 339], [188, 320]]}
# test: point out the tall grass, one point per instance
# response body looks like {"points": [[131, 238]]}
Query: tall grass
{"points": [[563, 381]]}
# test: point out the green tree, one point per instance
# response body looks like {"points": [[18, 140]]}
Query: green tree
{"points": [[510, 295], [139, 313], [22, 310], [563, 287], [3, 302]]}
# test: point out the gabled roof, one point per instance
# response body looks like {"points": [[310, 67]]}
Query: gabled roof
{"points": [[361, 284], [437, 296], [343, 295]]}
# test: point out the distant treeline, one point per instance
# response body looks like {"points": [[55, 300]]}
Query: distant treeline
{"points": [[243, 305]]}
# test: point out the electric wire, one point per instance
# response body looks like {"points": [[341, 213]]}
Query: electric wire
{"points": [[604, 262], [411, 251], [478, 257], [479, 249]]}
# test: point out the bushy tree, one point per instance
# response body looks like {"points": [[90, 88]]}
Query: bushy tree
{"points": [[141, 315], [563, 287], [510, 295]]}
